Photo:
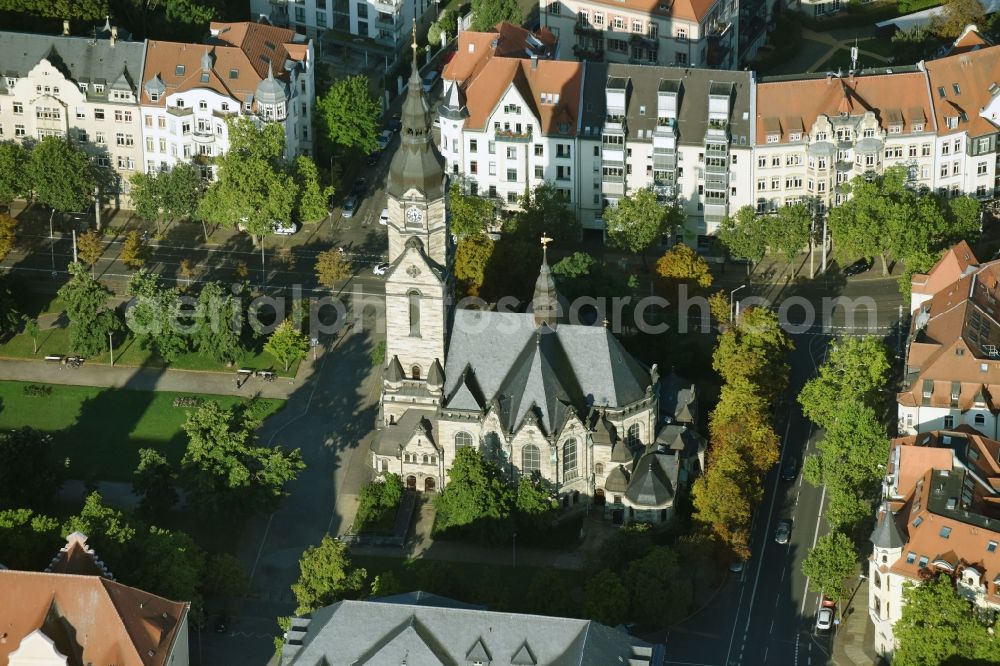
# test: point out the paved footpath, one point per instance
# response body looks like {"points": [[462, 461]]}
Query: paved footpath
{"points": [[151, 379]]}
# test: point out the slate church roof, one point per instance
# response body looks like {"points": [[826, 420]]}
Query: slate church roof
{"points": [[372, 632]]}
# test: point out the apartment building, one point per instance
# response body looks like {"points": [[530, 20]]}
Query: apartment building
{"points": [[684, 132], [814, 134], [939, 516], [246, 69], [695, 33], [307, 17], [84, 89], [953, 352], [510, 124], [965, 89]]}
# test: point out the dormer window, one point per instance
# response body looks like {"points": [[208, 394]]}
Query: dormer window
{"points": [[154, 97], [234, 73], [951, 122], [795, 136], [918, 127], [773, 138], [180, 103], [99, 88], [83, 86], [12, 81], [895, 129]]}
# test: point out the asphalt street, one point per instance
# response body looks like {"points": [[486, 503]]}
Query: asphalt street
{"points": [[766, 614]]}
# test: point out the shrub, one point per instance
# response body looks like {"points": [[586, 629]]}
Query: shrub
{"points": [[37, 390], [378, 501]]}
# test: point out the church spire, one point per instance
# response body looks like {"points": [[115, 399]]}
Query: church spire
{"points": [[416, 164], [545, 303]]}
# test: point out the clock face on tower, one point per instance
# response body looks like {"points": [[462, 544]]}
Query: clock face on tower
{"points": [[414, 215]]}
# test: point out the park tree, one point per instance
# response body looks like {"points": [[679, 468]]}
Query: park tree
{"points": [[856, 369], [487, 13], [313, 200], [755, 348], [146, 193], [30, 473], [224, 576], [470, 215], [157, 316], [254, 188], [788, 231], [606, 599], [332, 266], [225, 470], [350, 115], [90, 320], [326, 576], [181, 190], [639, 221], [89, 248], [472, 255], [914, 44], [660, 592], [377, 499], [830, 562], [108, 530], [8, 235], [168, 563], [154, 482], [219, 325], [682, 264], [32, 330], [13, 171], [10, 316], [194, 12], [61, 175], [134, 250], [90, 10], [434, 34], [938, 626], [476, 498], [744, 235], [724, 498], [29, 539], [919, 262], [956, 16], [287, 344], [544, 210]]}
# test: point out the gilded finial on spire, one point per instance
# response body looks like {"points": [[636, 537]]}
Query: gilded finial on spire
{"points": [[545, 247], [414, 36]]}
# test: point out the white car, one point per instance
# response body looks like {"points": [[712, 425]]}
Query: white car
{"points": [[384, 138], [380, 269], [383, 219], [824, 619], [285, 229]]}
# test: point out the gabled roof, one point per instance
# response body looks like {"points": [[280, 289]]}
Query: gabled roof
{"points": [[89, 618], [76, 557], [366, 632], [970, 40], [540, 377], [678, 398], [466, 394], [389, 440], [504, 40], [955, 262], [962, 85]]}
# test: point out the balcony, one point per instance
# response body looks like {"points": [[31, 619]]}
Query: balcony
{"points": [[613, 155], [386, 19], [387, 6], [722, 169], [592, 54], [714, 212], [718, 130], [224, 114], [586, 28], [204, 137], [513, 136], [180, 110], [646, 41], [614, 187], [615, 121], [664, 160]]}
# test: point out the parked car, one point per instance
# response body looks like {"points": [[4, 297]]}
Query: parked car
{"points": [[784, 531], [736, 566], [824, 619], [360, 188], [350, 206], [858, 267], [383, 219], [380, 269], [384, 138], [430, 80], [285, 228], [790, 471]]}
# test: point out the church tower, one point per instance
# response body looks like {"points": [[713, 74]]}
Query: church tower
{"points": [[417, 284]]}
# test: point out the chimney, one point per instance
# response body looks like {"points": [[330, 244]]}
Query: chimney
{"points": [[66, 28], [534, 61], [829, 78], [114, 34]]}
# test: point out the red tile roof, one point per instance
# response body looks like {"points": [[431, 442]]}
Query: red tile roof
{"points": [[949, 268], [960, 84]]}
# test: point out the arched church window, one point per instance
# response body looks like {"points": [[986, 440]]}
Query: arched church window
{"points": [[531, 459], [415, 372], [633, 437], [414, 300], [569, 459], [463, 439], [599, 469]]}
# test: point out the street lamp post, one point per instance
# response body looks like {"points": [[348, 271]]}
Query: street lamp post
{"points": [[732, 303], [111, 347], [52, 250]]}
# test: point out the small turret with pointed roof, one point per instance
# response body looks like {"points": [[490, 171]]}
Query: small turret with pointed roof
{"points": [[545, 303], [270, 90], [886, 534], [416, 164]]}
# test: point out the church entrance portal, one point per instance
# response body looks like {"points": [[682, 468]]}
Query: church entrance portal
{"points": [[411, 483], [599, 497], [429, 485]]}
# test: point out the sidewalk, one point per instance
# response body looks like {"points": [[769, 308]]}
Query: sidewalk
{"points": [[854, 644], [152, 379], [775, 270]]}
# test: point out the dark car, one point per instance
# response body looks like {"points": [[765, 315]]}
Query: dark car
{"points": [[350, 206], [221, 624], [373, 158], [784, 531], [858, 267], [360, 188], [789, 471]]}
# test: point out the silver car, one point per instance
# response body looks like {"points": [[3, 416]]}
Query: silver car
{"points": [[784, 531], [824, 619]]}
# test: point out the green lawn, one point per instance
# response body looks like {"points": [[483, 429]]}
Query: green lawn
{"points": [[883, 47], [101, 430], [127, 350], [841, 58]]}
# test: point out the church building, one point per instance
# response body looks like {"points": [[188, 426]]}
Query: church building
{"points": [[533, 392]]}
